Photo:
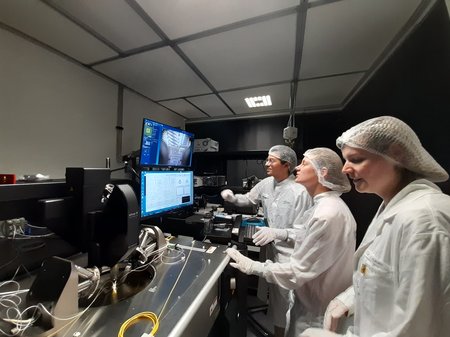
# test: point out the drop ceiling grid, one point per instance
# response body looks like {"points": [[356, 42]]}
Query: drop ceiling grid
{"points": [[211, 104], [41, 22], [279, 94], [183, 108], [182, 18], [253, 55], [158, 74], [325, 91], [348, 36], [138, 105], [113, 19]]}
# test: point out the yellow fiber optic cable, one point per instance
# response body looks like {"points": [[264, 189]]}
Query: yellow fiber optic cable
{"points": [[142, 315]]}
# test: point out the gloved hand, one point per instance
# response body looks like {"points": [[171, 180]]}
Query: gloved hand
{"points": [[264, 235], [243, 263], [314, 332], [228, 195], [335, 310]]}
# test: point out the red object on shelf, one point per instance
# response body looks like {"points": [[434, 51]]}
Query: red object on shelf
{"points": [[7, 178]]}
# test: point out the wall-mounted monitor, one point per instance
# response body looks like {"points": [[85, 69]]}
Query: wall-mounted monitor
{"points": [[166, 191], [165, 145]]}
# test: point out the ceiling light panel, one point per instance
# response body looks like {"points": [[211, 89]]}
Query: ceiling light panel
{"points": [[103, 16], [326, 91], [183, 18], [211, 104], [43, 23], [158, 74], [347, 36], [261, 53], [258, 101], [279, 95], [183, 108]]}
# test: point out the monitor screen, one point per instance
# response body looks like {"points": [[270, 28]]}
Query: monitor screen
{"points": [[164, 145], [165, 191]]}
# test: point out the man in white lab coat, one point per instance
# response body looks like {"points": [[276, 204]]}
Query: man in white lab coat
{"points": [[282, 200]]}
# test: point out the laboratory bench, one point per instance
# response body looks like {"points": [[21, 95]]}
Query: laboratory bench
{"points": [[188, 290]]}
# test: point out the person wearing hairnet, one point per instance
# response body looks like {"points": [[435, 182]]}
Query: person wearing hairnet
{"points": [[320, 266], [401, 275], [282, 200]]}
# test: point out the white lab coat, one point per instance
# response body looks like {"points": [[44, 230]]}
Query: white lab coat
{"points": [[282, 203], [321, 264], [401, 280]]}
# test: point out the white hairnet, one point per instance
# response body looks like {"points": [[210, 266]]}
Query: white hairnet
{"points": [[284, 153], [393, 139], [324, 158]]}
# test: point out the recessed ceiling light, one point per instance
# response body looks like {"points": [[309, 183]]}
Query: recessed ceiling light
{"points": [[258, 101]]}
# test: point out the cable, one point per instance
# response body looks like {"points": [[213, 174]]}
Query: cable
{"points": [[142, 315], [146, 314]]}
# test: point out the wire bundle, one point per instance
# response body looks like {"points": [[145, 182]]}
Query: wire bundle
{"points": [[142, 315]]}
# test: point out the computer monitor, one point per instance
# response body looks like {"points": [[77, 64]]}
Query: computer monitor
{"points": [[166, 192], [164, 145]]}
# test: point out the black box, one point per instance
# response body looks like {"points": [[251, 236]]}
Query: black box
{"points": [[85, 188]]}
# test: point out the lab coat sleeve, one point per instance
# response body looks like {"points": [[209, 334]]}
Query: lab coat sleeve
{"points": [[296, 234], [314, 254], [348, 298], [252, 197]]}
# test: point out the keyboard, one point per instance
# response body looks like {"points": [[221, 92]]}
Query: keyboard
{"points": [[248, 232], [249, 227]]}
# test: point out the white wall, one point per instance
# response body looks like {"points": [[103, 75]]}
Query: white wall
{"points": [[56, 114], [135, 108]]}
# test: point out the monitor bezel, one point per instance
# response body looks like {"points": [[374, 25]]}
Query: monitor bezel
{"points": [[167, 210], [163, 127]]}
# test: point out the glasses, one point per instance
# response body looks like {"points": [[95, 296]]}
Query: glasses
{"points": [[271, 161]]}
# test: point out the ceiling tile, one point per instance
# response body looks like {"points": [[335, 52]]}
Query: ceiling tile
{"points": [[183, 108], [211, 104], [158, 74], [328, 91], [348, 36], [182, 18], [241, 48], [43, 23], [261, 53], [115, 20], [279, 94]]}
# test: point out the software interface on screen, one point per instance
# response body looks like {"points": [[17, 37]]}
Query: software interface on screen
{"points": [[163, 191], [164, 145]]}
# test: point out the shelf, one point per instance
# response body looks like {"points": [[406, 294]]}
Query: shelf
{"points": [[36, 190], [233, 154]]}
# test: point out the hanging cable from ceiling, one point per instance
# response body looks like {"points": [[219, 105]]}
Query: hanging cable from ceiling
{"points": [[290, 131]]}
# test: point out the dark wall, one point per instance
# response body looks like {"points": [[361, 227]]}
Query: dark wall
{"points": [[413, 85], [261, 134], [243, 134]]}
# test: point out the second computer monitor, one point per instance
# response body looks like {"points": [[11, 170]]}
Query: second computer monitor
{"points": [[164, 192], [164, 145]]}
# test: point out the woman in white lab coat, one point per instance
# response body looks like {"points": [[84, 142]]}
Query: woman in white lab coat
{"points": [[320, 266], [401, 277]]}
